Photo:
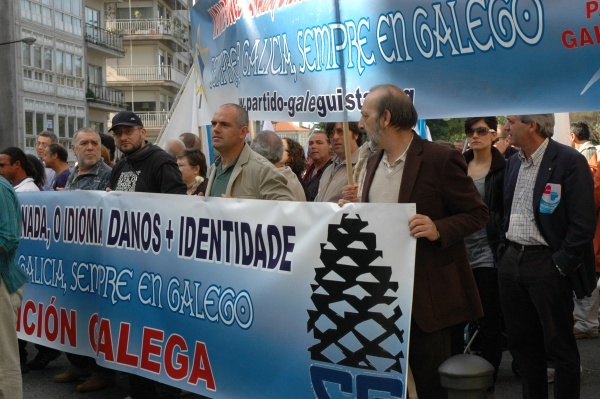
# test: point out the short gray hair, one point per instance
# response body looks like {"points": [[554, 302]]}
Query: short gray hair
{"points": [[86, 130], [545, 123], [169, 145], [269, 145]]}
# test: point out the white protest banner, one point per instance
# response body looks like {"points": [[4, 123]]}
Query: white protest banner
{"points": [[223, 297]]}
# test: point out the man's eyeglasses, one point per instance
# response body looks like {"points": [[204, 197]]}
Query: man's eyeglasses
{"points": [[481, 131], [125, 131]]}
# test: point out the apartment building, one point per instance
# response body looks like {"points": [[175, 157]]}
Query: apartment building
{"points": [[91, 58], [101, 44], [156, 37]]}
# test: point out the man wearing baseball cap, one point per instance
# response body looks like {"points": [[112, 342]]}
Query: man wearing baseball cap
{"points": [[145, 166]]}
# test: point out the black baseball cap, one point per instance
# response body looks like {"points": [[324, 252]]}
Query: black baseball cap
{"points": [[126, 118]]}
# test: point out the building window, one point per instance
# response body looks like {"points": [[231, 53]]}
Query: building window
{"points": [[67, 14], [78, 67], [37, 56], [92, 17], [29, 122], [142, 106], [136, 13], [26, 55], [39, 122], [47, 16], [59, 61], [68, 64], [71, 122], [49, 122], [94, 74], [97, 126], [48, 59], [62, 126]]}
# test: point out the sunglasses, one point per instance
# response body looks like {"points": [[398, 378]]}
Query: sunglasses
{"points": [[481, 131]]}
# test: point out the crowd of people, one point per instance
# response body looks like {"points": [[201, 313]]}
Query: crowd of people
{"points": [[505, 225]]}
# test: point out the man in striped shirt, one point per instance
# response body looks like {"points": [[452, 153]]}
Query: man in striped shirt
{"points": [[550, 220]]}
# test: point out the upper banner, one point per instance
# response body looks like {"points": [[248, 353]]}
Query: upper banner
{"points": [[315, 60], [223, 297]]}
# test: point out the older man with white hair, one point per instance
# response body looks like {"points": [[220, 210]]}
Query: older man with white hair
{"points": [[174, 147], [269, 145]]}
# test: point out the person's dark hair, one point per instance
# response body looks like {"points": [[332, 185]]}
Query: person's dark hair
{"points": [[59, 150], [242, 118], [269, 145], [318, 131], [296, 159], [190, 140], [581, 130], [195, 157], [38, 171], [109, 142], [16, 154], [490, 121], [352, 126], [50, 135], [403, 114]]}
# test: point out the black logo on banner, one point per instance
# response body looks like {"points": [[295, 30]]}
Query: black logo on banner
{"points": [[357, 311]]}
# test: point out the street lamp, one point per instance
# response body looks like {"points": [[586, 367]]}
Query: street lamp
{"points": [[27, 40]]}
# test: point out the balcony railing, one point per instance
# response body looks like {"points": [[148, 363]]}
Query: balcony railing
{"points": [[160, 26], [105, 95], [164, 73], [153, 119], [104, 38]]}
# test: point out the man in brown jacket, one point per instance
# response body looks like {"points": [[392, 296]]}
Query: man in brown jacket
{"points": [[407, 169]]}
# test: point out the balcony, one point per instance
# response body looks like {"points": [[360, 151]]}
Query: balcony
{"points": [[145, 75], [153, 120], [104, 97], [104, 40], [149, 27]]}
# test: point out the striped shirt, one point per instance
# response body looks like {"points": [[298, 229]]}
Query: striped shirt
{"points": [[522, 228]]}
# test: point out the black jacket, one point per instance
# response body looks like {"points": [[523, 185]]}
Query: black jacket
{"points": [[148, 170], [494, 199], [569, 229]]}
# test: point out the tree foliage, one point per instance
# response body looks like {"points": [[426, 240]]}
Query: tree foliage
{"points": [[447, 129]]}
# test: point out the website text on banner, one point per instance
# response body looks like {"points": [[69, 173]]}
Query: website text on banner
{"points": [[311, 60], [190, 291]]}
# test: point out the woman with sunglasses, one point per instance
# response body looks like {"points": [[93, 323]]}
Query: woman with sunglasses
{"points": [[486, 167]]}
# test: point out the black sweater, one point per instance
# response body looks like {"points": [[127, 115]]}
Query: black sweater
{"points": [[494, 198], [147, 170]]}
